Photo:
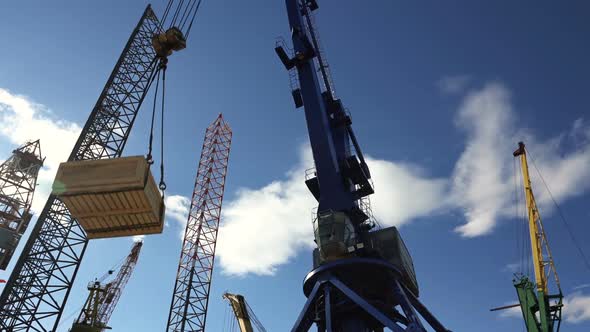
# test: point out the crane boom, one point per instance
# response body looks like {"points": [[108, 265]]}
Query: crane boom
{"points": [[103, 298], [38, 288], [362, 280], [538, 313], [190, 298], [247, 320], [40, 283], [238, 305]]}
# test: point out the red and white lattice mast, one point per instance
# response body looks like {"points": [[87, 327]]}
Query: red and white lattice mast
{"points": [[188, 309]]}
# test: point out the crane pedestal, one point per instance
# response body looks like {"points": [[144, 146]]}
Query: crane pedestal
{"points": [[361, 294]]}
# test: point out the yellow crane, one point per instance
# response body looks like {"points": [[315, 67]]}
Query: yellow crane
{"points": [[243, 313], [535, 298]]}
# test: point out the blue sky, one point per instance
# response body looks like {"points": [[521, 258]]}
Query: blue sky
{"points": [[439, 92]]}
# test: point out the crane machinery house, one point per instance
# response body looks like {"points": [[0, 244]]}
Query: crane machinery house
{"points": [[111, 197]]}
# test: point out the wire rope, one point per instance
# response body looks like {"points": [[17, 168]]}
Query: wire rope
{"points": [[562, 216], [149, 156], [162, 184], [188, 30]]}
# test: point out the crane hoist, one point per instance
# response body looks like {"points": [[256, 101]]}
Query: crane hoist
{"points": [[246, 318], [103, 297], [40, 283], [539, 313], [363, 278]]}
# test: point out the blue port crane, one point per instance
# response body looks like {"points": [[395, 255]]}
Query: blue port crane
{"points": [[363, 277]]}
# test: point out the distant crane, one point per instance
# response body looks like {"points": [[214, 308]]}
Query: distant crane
{"points": [[18, 179], [363, 279], [540, 315], [103, 298], [190, 299], [243, 313], [36, 293]]}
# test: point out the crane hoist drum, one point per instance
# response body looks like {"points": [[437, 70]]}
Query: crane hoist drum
{"points": [[166, 42]]}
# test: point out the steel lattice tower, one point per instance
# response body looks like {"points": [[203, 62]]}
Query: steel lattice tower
{"points": [[18, 178], [36, 293], [188, 310], [103, 298]]}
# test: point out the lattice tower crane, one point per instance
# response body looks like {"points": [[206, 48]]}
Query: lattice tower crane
{"points": [[18, 179], [540, 315], [36, 293], [190, 298], [103, 297], [363, 279]]}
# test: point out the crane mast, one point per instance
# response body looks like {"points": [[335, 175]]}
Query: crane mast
{"points": [[103, 298], [36, 293], [40, 283], [539, 314], [363, 279], [18, 179], [190, 298]]}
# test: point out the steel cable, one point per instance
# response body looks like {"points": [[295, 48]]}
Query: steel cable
{"points": [[562, 216]]}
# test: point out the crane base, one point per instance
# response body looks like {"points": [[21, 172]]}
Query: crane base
{"points": [[356, 294]]}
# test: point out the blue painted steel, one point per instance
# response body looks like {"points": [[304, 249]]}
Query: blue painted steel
{"points": [[413, 320], [335, 194], [333, 286], [328, 306], [374, 312], [304, 320]]}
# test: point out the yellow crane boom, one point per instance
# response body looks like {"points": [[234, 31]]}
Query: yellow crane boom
{"points": [[538, 313], [238, 305], [243, 313]]}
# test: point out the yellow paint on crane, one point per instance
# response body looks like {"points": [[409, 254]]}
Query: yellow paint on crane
{"points": [[536, 232]]}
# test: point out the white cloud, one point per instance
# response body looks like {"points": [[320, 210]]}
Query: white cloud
{"points": [[177, 207], [512, 267], [266, 227], [582, 286], [404, 192], [21, 120], [453, 84], [483, 179], [138, 238], [480, 179], [576, 308]]}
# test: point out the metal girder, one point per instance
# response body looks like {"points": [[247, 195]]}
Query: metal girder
{"points": [[188, 309], [37, 291], [320, 300], [18, 179]]}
